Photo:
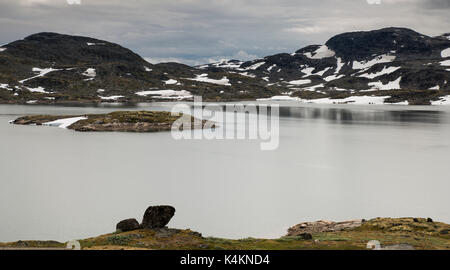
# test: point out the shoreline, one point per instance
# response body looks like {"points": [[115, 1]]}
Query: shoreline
{"points": [[392, 233]]}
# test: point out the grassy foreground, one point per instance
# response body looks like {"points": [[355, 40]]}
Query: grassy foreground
{"points": [[419, 233]]}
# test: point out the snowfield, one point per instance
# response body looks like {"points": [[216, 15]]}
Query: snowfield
{"points": [[358, 100], [389, 86], [65, 122], [171, 81], [445, 53], [5, 86], [39, 89], [111, 97], [90, 72], [299, 82], [377, 60], [166, 94], [2, 49], [445, 63], [322, 52], [42, 72], [443, 101], [204, 78], [385, 71]]}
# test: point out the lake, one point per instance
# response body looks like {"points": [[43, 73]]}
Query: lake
{"points": [[334, 162]]}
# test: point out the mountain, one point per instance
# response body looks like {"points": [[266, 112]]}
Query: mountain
{"points": [[395, 62]]}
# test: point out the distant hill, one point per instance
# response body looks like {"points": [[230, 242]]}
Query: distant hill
{"points": [[50, 67]]}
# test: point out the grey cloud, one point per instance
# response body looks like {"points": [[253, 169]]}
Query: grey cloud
{"points": [[195, 31]]}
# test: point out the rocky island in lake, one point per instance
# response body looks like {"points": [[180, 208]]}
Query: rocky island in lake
{"points": [[125, 121]]}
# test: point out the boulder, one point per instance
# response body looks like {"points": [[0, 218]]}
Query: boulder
{"points": [[157, 217], [128, 225]]}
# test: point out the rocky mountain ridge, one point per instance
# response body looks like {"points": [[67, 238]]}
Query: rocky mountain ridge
{"points": [[55, 68]]}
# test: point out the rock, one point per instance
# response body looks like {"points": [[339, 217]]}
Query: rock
{"points": [[306, 236], [322, 226], [157, 217], [443, 232], [416, 220], [429, 220], [128, 225]]}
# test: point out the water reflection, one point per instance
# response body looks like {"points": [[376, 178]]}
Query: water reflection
{"points": [[351, 116]]}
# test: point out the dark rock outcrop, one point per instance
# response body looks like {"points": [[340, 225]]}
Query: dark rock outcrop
{"points": [[128, 225], [156, 217]]}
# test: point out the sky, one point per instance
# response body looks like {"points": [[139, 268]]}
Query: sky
{"points": [[202, 31]]}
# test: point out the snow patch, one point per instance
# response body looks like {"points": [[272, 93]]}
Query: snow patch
{"points": [[171, 81], [2, 49], [386, 70], [308, 71], [204, 78], [42, 72], [111, 97], [299, 82], [443, 101], [90, 72], [377, 60], [65, 122], [94, 44], [148, 69], [437, 87], [322, 52], [339, 64], [38, 89], [445, 53], [333, 77], [445, 63], [5, 86], [166, 94], [389, 86]]}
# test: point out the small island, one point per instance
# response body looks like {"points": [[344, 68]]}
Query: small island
{"points": [[121, 121]]}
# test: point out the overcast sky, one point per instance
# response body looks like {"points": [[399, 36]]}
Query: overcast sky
{"points": [[201, 31]]}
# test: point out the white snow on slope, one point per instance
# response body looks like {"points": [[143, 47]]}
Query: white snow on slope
{"points": [[320, 73], [340, 64], [148, 69], [377, 60], [386, 70], [437, 87], [255, 66], [5, 86], [171, 81], [42, 72], [90, 72], [314, 87], [2, 49], [65, 122], [445, 63], [204, 78], [38, 89], [280, 98], [333, 77], [389, 86], [94, 44], [299, 82], [271, 67], [443, 101], [322, 52], [308, 71], [445, 53], [166, 94], [360, 100], [111, 97]]}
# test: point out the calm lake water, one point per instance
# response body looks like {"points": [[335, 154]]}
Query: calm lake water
{"points": [[334, 162]]}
